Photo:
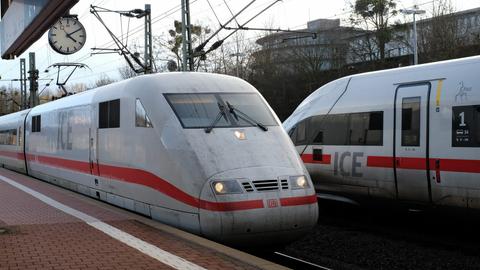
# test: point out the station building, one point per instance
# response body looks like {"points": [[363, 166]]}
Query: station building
{"points": [[337, 46]]}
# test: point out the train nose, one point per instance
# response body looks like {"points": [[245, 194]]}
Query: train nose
{"points": [[267, 209]]}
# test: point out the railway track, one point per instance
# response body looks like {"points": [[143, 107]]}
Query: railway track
{"points": [[288, 260], [349, 237]]}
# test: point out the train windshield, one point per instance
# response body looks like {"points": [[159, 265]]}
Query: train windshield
{"points": [[201, 110]]}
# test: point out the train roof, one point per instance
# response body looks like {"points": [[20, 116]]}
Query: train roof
{"points": [[419, 68], [323, 98], [172, 82]]}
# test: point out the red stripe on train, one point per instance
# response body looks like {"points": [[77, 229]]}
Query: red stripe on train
{"points": [[12, 154], [136, 176], [457, 165], [446, 165], [293, 201], [381, 162], [308, 158]]}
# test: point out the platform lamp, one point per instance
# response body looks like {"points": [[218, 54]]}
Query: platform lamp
{"points": [[414, 12]]}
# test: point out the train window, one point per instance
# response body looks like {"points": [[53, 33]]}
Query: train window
{"points": [[358, 128], [293, 134], [252, 105], [201, 110], [20, 133], [335, 129], [366, 128], [8, 137], [318, 138], [36, 123], [466, 126], [109, 114], [114, 113], [103, 115], [375, 129], [347, 129], [411, 121], [141, 117], [315, 129], [196, 110], [302, 131]]}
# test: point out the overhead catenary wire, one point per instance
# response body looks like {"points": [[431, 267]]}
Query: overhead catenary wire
{"points": [[200, 47], [231, 13], [139, 28], [214, 13], [136, 30], [9, 70], [219, 43]]}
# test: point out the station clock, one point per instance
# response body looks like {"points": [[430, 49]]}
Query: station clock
{"points": [[67, 35]]}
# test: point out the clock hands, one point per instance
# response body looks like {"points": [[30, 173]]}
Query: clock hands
{"points": [[69, 35], [75, 31]]}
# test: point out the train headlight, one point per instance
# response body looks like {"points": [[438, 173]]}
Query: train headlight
{"points": [[226, 187], [299, 182]]}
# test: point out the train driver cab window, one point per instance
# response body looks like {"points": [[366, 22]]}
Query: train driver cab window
{"points": [[109, 114], [301, 132], [293, 134], [411, 121], [141, 117], [36, 123], [316, 130], [222, 110]]}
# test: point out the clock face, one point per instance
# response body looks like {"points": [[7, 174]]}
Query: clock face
{"points": [[67, 35]]}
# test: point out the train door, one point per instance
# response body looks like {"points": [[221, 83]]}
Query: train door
{"points": [[411, 142]]}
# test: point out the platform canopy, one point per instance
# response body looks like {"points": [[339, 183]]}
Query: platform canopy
{"points": [[24, 21]]}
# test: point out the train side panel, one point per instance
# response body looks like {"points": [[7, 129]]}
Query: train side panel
{"points": [[126, 144], [154, 150], [428, 120], [354, 128], [58, 147], [455, 138], [12, 141]]}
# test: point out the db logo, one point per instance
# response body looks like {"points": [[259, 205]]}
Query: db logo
{"points": [[272, 203]]}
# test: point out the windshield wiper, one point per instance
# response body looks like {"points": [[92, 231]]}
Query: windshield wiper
{"points": [[219, 116], [237, 113]]}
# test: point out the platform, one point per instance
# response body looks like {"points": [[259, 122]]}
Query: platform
{"points": [[43, 226]]}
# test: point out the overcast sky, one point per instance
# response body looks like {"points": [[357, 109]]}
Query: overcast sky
{"points": [[292, 14]]}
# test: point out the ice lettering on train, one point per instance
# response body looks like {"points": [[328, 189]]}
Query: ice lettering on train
{"points": [[64, 131], [339, 160]]}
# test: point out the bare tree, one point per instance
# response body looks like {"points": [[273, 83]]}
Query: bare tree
{"points": [[375, 17], [440, 37], [126, 72], [103, 80], [232, 58], [77, 87]]}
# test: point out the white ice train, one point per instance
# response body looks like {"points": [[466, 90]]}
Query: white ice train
{"points": [[409, 134], [201, 152]]}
